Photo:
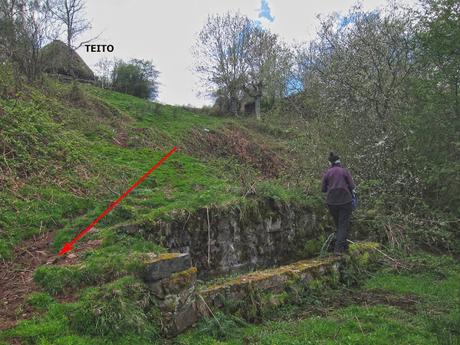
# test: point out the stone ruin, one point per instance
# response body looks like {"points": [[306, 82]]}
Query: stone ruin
{"points": [[172, 281]]}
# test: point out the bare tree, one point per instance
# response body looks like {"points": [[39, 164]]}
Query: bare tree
{"points": [[268, 65], [38, 30], [71, 15], [26, 26], [237, 58], [104, 70], [219, 57], [363, 60]]}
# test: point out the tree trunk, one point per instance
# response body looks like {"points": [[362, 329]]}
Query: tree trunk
{"points": [[234, 106], [257, 106]]}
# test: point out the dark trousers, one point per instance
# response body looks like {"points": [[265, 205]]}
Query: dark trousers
{"points": [[341, 215]]}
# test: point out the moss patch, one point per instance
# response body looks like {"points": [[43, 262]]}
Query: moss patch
{"points": [[183, 278]]}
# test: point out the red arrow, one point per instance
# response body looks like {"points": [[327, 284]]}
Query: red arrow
{"points": [[69, 245]]}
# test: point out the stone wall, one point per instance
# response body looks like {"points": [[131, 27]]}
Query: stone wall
{"points": [[252, 294], [274, 280], [172, 281], [264, 234]]}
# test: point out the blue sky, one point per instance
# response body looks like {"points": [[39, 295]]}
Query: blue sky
{"points": [[265, 11]]}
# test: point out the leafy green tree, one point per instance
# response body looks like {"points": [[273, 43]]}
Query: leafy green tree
{"points": [[434, 115], [136, 77], [439, 37]]}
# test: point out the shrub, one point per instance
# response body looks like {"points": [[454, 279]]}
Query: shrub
{"points": [[137, 78]]}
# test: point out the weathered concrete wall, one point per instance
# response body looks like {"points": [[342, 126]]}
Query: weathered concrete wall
{"points": [[264, 234]]}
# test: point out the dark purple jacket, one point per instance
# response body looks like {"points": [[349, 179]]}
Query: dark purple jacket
{"points": [[338, 184]]}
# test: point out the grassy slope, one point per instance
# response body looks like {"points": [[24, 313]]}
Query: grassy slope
{"points": [[68, 167], [69, 151]]}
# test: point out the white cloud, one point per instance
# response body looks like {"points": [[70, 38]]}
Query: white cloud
{"points": [[164, 31]]}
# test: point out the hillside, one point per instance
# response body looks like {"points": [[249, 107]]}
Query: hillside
{"points": [[316, 202], [69, 150], [72, 149]]}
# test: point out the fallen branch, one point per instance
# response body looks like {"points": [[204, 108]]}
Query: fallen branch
{"points": [[210, 311]]}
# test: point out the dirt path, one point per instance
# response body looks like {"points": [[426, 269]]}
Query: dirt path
{"points": [[16, 275], [16, 279]]}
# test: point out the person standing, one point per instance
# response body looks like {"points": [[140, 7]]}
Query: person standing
{"points": [[339, 185]]}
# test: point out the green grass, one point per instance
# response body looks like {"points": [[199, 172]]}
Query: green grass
{"points": [[71, 150], [435, 321], [38, 190], [352, 325], [63, 162], [173, 121], [180, 183], [62, 167], [103, 264], [115, 313]]}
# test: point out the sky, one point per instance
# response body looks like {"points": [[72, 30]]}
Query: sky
{"points": [[165, 31]]}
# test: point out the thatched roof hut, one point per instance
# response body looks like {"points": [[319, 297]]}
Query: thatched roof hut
{"points": [[58, 58]]}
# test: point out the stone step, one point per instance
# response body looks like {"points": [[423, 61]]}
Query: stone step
{"points": [[163, 265], [276, 280]]}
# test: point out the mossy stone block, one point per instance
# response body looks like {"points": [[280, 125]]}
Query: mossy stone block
{"points": [[175, 284], [165, 265]]}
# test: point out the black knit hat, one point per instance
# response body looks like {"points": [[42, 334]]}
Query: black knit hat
{"points": [[333, 157]]}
